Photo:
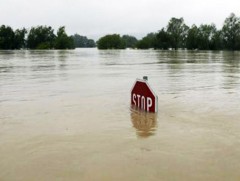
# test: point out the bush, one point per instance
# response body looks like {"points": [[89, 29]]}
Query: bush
{"points": [[111, 42]]}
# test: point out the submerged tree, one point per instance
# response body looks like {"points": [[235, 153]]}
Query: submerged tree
{"points": [[63, 41], [231, 32], [6, 37], [147, 41], [205, 36], [113, 41], [217, 41], [83, 41], [10, 39], [130, 41], [163, 40], [192, 38], [19, 38], [41, 37], [178, 32]]}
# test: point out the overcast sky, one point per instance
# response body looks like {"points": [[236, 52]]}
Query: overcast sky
{"points": [[95, 18]]}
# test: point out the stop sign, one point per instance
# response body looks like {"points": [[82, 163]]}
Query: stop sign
{"points": [[143, 96]]}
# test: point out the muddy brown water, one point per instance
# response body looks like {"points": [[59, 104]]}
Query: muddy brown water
{"points": [[66, 115]]}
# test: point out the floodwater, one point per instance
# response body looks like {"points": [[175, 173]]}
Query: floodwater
{"points": [[66, 115]]}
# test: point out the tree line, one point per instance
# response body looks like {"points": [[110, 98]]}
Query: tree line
{"points": [[41, 37], [178, 35]]}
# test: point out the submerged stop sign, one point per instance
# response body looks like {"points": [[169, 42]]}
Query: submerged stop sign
{"points": [[143, 97]]}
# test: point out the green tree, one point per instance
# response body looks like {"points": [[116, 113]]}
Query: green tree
{"points": [[205, 36], [177, 29], [90, 43], [113, 41], [147, 42], [6, 37], [63, 41], [83, 41], [130, 41], [231, 32], [163, 40], [41, 37], [217, 41], [192, 38], [19, 38]]}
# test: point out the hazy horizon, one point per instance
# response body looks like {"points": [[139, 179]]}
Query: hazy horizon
{"points": [[95, 19]]}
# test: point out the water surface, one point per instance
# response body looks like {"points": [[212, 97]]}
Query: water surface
{"points": [[66, 115]]}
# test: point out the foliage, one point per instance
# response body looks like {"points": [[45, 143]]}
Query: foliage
{"points": [[231, 32], [130, 41], [113, 41], [217, 41], [19, 38], [205, 36], [83, 41], [178, 32], [163, 40], [10, 39], [175, 35], [147, 41], [63, 41], [41, 37], [6, 37], [192, 38]]}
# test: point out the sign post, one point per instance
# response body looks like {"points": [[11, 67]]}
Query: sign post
{"points": [[143, 97]]}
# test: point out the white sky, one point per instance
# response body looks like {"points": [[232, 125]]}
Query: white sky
{"points": [[96, 18]]}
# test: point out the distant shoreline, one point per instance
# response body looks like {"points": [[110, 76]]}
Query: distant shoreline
{"points": [[176, 35]]}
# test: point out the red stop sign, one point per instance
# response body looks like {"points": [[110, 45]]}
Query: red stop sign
{"points": [[143, 96]]}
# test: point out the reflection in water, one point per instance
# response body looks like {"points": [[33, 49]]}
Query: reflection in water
{"points": [[109, 57], [230, 71], [62, 56], [144, 122]]}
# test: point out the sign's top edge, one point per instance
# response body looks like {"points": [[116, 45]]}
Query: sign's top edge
{"points": [[144, 81]]}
